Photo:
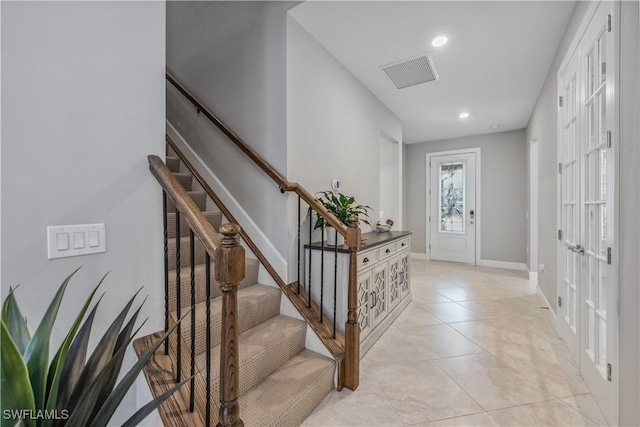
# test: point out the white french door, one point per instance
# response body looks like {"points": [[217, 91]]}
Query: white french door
{"points": [[453, 213], [586, 279]]}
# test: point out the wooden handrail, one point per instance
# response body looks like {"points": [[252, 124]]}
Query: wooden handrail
{"points": [[209, 237], [258, 160]]}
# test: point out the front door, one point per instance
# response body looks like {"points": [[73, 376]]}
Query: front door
{"points": [[586, 279], [453, 215]]}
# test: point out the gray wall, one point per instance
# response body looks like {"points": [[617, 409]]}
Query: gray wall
{"points": [[629, 372], [542, 127], [82, 107], [232, 55], [503, 189]]}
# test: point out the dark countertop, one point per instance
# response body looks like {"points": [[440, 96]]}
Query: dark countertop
{"points": [[369, 240]]}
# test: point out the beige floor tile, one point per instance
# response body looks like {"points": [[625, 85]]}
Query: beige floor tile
{"points": [[451, 312], [367, 406], [415, 315], [539, 364], [439, 341], [585, 404], [421, 392], [492, 383], [428, 296], [391, 347], [551, 413], [482, 419]]}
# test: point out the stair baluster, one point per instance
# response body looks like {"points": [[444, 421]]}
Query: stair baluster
{"points": [[166, 270], [230, 265], [192, 252], [178, 302]]}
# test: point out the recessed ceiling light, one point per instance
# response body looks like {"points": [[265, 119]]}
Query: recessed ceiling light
{"points": [[494, 126], [439, 40], [463, 115]]}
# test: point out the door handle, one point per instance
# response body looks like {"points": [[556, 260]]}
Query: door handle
{"points": [[578, 249]]}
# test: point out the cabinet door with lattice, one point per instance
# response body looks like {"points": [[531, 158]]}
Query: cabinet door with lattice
{"points": [[364, 301], [395, 280], [403, 274], [379, 297]]}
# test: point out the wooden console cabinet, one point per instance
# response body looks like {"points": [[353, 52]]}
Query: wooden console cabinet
{"points": [[384, 286]]}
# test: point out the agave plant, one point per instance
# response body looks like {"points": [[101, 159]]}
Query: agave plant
{"points": [[71, 389]]}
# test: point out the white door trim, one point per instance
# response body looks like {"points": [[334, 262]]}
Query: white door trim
{"points": [[478, 227]]}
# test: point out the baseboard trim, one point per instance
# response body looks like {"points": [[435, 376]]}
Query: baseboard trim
{"points": [[503, 264], [418, 255], [257, 235], [533, 276], [552, 314]]}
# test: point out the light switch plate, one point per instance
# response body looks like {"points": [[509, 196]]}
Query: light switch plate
{"points": [[83, 239]]}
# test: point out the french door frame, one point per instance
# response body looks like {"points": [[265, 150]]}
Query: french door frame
{"points": [[614, 195], [478, 213]]}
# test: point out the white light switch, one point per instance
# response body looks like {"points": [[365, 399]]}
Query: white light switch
{"points": [[94, 239], [78, 240], [62, 241], [73, 240]]}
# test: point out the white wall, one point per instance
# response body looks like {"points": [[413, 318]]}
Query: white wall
{"points": [[542, 128], [629, 372], [334, 123], [232, 55], [82, 107], [503, 186]]}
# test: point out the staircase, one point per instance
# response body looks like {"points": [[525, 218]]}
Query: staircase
{"points": [[280, 381]]}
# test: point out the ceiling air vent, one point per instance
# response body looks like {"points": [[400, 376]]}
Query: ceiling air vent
{"points": [[412, 71]]}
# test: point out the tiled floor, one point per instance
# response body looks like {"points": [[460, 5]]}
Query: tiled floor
{"points": [[474, 348]]}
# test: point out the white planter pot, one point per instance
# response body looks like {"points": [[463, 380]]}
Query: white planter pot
{"points": [[330, 234]]}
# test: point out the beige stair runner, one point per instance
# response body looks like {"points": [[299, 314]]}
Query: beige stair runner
{"points": [[281, 381]]}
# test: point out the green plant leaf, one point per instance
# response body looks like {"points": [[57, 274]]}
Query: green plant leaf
{"points": [[57, 364], [15, 322], [76, 357], [101, 355], [109, 407], [17, 393], [143, 412], [123, 339], [36, 355]]}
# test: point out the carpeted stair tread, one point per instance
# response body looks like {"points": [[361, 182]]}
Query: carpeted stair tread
{"points": [[250, 278], [199, 197], [185, 253], [184, 178], [173, 163], [214, 218], [256, 304], [263, 349], [290, 394]]}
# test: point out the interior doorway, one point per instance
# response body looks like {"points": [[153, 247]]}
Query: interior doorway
{"points": [[390, 181]]}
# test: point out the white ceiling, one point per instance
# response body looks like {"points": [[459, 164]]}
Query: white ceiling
{"points": [[493, 67]]}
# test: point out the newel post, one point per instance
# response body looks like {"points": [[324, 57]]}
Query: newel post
{"points": [[229, 272], [352, 329]]}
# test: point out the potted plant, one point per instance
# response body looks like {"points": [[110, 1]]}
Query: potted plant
{"points": [[343, 207], [76, 387]]}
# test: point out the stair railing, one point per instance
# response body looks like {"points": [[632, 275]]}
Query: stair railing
{"points": [[346, 349], [229, 259]]}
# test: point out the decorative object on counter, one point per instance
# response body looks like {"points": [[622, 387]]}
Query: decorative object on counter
{"points": [[342, 207], [383, 226]]}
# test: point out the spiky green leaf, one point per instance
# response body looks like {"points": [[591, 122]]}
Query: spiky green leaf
{"points": [[109, 407], [57, 364], [17, 393], [15, 322], [144, 412], [36, 355], [75, 360], [100, 357]]}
